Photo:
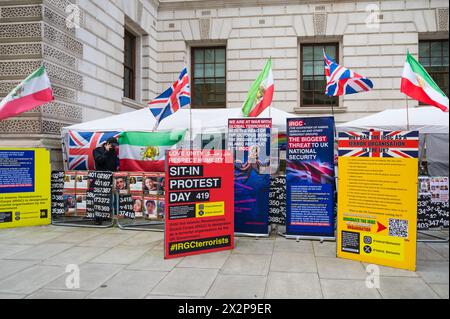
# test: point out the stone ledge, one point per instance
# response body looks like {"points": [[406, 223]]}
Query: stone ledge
{"points": [[319, 110]]}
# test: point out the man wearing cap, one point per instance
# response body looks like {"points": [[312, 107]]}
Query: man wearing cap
{"points": [[105, 156]]}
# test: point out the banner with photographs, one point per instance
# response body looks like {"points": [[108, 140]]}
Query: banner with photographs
{"points": [[432, 205]]}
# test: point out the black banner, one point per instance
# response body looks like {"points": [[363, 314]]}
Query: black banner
{"points": [[277, 200]]}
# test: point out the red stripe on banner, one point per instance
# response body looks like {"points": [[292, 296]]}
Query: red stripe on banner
{"points": [[419, 94], [376, 150], [365, 144], [26, 103], [141, 166]]}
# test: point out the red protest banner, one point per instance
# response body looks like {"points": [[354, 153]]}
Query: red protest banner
{"points": [[199, 202]]}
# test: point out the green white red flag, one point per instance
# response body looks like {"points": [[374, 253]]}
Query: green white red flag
{"points": [[145, 151], [260, 94], [34, 91], [418, 84]]}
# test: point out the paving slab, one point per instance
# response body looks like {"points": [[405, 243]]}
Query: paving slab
{"points": [[120, 255], [247, 264], [144, 239], [324, 249], [405, 288], [347, 289], [441, 289], [425, 252], [186, 282], [40, 252], [58, 294], [107, 240], [293, 286], [237, 287], [210, 260], [293, 262], [11, 296], [76, 237], [9, 267], [283, 245], [129, 284], [433, 272], [393, 272], [75, 255], [338, 268], [11, 249], [441, 248], [254, 246], [30, 279], [154, 260], [34, 237], [92, 276]]}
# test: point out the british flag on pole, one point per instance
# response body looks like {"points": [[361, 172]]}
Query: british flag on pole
{"points": [[177, 96], [80, 147], [343, 81], [402, 144]]}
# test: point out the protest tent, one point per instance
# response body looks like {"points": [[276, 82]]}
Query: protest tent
{"points": [[202, 120], [431, 122]]}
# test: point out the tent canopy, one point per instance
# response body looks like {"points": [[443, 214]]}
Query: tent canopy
{"points": [[423, 119], [202, 119]]}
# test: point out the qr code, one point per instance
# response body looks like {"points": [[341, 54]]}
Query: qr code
{"points": [[398, 227]]}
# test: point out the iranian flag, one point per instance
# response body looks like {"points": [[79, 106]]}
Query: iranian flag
{"points": [[145, 151], [419, 85], [260, 94], [35, 90]]}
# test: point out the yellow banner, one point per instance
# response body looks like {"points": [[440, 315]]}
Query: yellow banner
{"points": [[209, 209], [377, 210], [24, 187]]}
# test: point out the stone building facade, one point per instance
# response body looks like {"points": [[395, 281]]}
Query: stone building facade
{"points": [[83, 44]]}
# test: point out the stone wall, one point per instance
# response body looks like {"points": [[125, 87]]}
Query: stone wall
{"points": [[252, 34]]}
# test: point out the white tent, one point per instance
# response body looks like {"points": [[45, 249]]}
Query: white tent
{"points": [[202, 120], [432, 124], [423, 119]]}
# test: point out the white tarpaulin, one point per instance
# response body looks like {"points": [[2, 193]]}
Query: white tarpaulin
{"points": [[423, 119], [431, 122], [202, 120]]}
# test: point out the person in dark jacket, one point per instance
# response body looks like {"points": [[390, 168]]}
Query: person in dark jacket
{"points": [[106, 159], [105, 156]]}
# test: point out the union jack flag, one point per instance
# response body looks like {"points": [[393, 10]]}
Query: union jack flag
{"points": [[341, 81], [403, 144], [175, 97], [80, 147], [314, 172]]}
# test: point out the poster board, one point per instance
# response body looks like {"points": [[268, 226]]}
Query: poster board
{"points": [[199, 202], [25, 197], [377, 198], [310, 177], [249, 141]]}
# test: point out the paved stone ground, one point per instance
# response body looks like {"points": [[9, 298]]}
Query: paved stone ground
{"points": [[129, 264]]}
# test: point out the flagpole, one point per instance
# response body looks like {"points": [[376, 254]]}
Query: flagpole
{"points": [[407, 113]]}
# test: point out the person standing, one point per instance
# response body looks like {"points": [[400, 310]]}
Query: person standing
{"points": [[105, 156], [106, 159]]}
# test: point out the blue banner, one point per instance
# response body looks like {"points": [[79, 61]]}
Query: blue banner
{"points": [[16, 171], [249, 140], [310, 177]]}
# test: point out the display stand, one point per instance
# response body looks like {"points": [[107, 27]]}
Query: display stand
{"points": [[300, 237]]}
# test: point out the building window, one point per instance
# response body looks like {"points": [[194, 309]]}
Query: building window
{"points": [[312, 74], [433, 55], [209, 80], [129, 78]]}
